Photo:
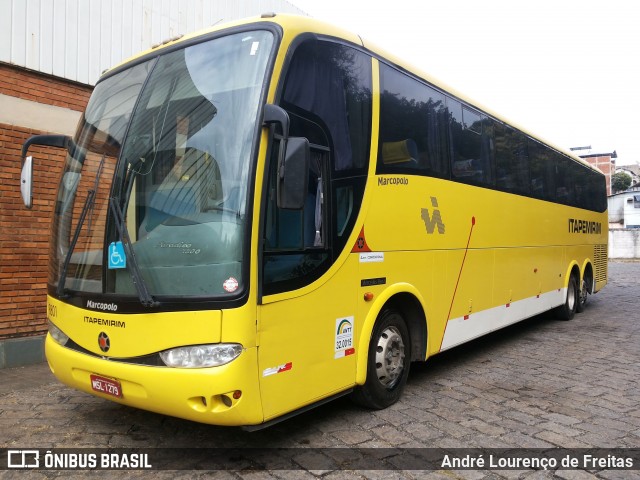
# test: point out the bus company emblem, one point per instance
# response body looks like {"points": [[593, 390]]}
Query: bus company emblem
{"points": [[584, 226], [431, 221], [103, 342]]}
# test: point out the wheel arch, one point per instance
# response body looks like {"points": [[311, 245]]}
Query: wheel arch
{"points": [[405, 299], [573, 269]]}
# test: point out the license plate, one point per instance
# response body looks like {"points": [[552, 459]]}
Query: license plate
{"points": [[106, 386]]}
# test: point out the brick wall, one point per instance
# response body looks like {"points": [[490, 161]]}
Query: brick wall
{"points": [[24, 234], [41, 88]]}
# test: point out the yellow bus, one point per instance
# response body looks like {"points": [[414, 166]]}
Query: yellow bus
{"points": [[265, 216]]}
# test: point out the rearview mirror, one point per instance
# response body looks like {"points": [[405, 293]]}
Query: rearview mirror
{"points": [[293, 174], [26, 177]]}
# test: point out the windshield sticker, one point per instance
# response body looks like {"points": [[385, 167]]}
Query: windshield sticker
{"points": [[344, 337], [117, 257], [230, 285]]}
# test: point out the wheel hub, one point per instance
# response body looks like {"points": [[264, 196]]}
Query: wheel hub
{"points": [[583, 292], [389, 357], [571, 297]]}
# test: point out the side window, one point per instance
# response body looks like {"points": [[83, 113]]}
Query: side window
{"points": [[581, 177], [599, 192], [543, 180], [471, 144], [413, 126], [329, 84], [565, 191], [512, 162], [327, 94]]}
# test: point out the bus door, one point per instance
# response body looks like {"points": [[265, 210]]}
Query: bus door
{"points": [[303, 304], [308, 286]]}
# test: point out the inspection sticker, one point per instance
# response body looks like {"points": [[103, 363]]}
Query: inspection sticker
{"points": [[344, 337], [230, 284]]}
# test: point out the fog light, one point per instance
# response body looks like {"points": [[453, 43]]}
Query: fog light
{"points": [[58, 335], [201, 356]]}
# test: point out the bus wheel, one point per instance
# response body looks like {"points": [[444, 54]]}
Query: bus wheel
{"points": [[568, 310], [388, 363], [582, 297]]}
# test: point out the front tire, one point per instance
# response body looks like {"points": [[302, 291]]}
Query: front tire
{"points": [[568, 310], [389, 357]]}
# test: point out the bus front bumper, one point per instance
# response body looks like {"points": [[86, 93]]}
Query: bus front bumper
{"points": [[224, 395]]}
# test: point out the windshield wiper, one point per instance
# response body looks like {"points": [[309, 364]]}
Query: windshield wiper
{"points": [[138, 281], [88, 205]]}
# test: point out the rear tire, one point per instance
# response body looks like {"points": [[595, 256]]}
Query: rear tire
{"points": [[388, 363], [583, 296], [568, 310]]}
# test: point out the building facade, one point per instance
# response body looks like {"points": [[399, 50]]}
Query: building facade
{"points": [[52, 52]]}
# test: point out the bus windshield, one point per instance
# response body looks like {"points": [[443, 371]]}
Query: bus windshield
{"points": [[154, 190]]}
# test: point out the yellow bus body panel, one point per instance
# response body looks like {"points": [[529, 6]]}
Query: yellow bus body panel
{"points": [[493, 249], [298, 336], [195, 394], [134, 335], [203, 395]]}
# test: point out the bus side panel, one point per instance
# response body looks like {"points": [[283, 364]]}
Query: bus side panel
{"points": [[391, 274], [307, 343]]}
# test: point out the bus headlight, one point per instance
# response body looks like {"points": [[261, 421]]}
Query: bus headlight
{"points": [[201, 356], [58, 335]]}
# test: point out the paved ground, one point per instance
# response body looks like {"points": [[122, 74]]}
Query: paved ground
{"points": [[540, 384]]}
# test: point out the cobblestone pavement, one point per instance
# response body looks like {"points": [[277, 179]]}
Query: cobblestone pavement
{"points": [[542, 383]]}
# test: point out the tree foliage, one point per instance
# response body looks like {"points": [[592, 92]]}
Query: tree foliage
{"points": [[620, 181]]}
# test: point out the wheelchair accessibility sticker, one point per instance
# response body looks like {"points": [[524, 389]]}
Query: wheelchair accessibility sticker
{"points": [[117, 257]]}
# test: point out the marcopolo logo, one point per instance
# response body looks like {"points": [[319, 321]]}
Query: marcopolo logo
{"points": [[105, 307], [433, 220]]}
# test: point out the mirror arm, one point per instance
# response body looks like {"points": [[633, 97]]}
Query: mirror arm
{"points": [[275, 114], [61, 141]]}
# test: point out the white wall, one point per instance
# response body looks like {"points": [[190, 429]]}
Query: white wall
{"points": [[79, 39], [624, 243]]}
